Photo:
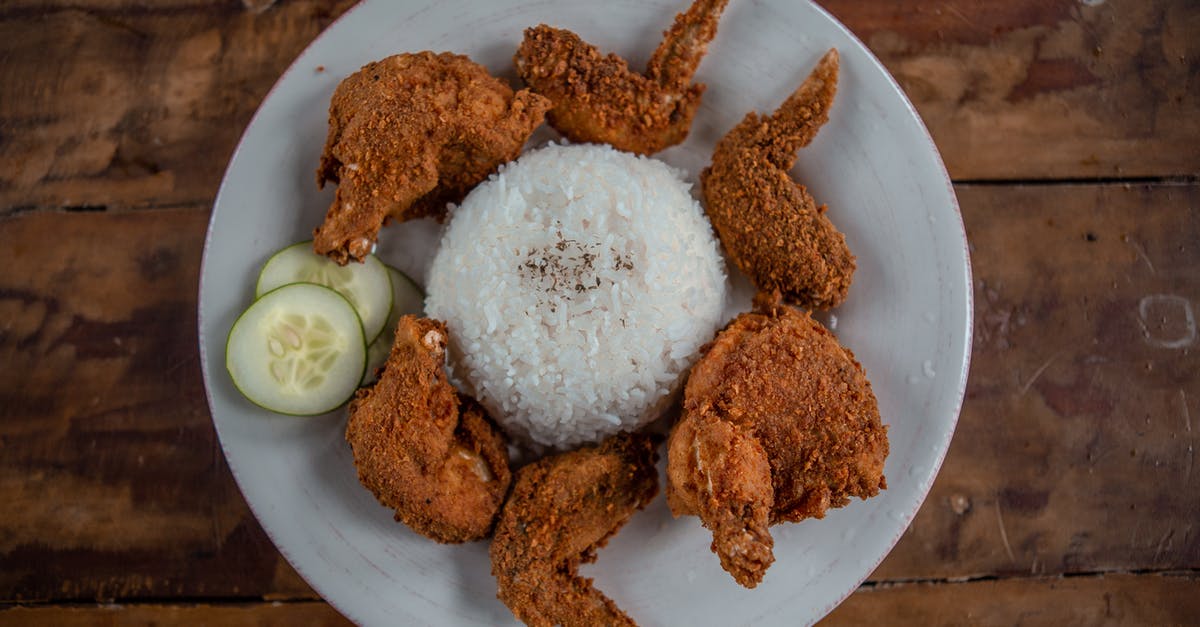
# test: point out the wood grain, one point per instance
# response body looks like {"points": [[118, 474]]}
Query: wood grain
{"points": [[1103, 600], [108, 104], [1075, 449], [105, 106], [1074, 452], [1096, 601], [113, 481], [1069, 493], [310, 614], [1035, 89]]}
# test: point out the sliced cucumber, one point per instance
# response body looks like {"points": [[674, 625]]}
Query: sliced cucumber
{"points": [[377, 354], [407, 298], [299, 349], [366, 285]]}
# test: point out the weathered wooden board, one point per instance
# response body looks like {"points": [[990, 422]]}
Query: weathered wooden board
{"points": [[113, 481], [1095, 601], [1038, 89], [1104, 600], [105, 105], [309, 614], [1074, 453], [108, 103], [1075, 449]]}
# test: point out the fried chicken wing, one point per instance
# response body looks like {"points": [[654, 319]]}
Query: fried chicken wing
{"points": [[599, 99], [779, 424], [409, 134], [423, 450], [562, 509], [769, 225], [723, 475]]}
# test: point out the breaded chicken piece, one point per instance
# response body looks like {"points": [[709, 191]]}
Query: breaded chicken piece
{"points": [[769, 225], [721, 472], [562, 509], [599, 99], [409, 134], [779, 424], [425, 451]]}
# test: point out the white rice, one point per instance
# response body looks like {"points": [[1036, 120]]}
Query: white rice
{"points": [[578, 284]]}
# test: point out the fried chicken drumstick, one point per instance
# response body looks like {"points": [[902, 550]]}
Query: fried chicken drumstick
{"points": [[779, 424], [769, 225], [562, 509], [599, 99], [409, 134], [423, 450]]}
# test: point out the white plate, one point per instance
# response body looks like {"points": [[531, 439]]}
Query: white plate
{"points": [[907, 318]]}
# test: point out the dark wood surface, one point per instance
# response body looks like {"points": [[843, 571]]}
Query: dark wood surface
{"points": [[1070, 492]]}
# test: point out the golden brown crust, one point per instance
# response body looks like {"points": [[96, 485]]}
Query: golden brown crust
{"points": [[776, 379], [598, 98], [409, 134], [721, 473], [769, 225], [562, 509], [424, 451]]}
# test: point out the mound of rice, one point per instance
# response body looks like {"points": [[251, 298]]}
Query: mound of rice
{"points": [[578, 284]]}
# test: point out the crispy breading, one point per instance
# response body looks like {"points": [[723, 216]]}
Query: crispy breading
{"points": [[721, 473], [599, 99], [562, 509], [409, 134], [423, 450], [769, 225], [779, 424]]}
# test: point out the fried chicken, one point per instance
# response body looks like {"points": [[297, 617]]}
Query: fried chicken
{"points": [[409, 134], [599, 99], [769, 225], [423, 450], [779, 424], [562, 509]]}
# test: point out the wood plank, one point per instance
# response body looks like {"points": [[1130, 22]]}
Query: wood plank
{"points": [[136, 106], [113, 481], [1036, 89], [1103, 600], [314, 614], [111, 103], [1075, 450]]}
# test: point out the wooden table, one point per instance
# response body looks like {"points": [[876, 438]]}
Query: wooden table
{"points": [[1070, 495]]}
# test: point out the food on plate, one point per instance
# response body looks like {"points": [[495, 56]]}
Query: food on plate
{"points": [[562, 509], [598, 98], [578, 284], [365, 285], [424, 450], [769, 225], [299, 349], [409, 134], [779, 424]]}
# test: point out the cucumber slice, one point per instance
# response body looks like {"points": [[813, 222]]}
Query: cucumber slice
{"points": [[377, 354], [366, 285], [299, 349], [407, 298]]}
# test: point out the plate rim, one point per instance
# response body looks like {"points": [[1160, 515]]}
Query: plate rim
{"points": [[968, 322], [966, 331]]}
